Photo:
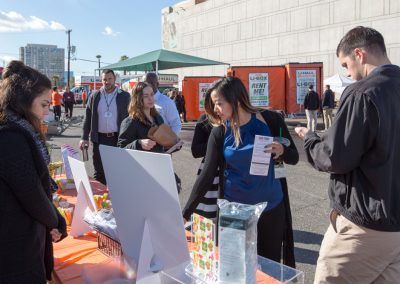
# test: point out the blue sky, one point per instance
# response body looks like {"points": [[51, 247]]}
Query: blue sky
{"points": [[109, 28]]}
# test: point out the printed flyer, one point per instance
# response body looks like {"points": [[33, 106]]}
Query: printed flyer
{"points": [[204, 254]]}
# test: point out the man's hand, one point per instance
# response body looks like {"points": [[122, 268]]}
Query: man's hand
{"points": [[82, 144], [147, 144], [301, 132]]}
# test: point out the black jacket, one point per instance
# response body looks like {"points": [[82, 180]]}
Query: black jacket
{"points": [[214, 159], [26, 211], [91, 122], [200, 137], [311, 101], [132, 130], [328, 99], [361, 150]]}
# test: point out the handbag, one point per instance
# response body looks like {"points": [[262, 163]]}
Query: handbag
{"points": [[163, 135]]}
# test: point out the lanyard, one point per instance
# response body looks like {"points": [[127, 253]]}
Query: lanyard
{"points": [[108, 103]]}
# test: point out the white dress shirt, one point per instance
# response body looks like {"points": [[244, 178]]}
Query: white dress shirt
{"points": [[167, 109], [108, 103]]}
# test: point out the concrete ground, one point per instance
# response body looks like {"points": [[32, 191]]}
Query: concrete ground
{"points": [[307, 189]]}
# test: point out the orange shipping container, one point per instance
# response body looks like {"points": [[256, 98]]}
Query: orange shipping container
{"points": [[298, 77], [265, 84], [194, 89]]}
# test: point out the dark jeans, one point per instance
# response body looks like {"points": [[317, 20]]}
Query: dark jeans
{"points": [[57, 112], [270, 228], [97, 164], [69, 107]]}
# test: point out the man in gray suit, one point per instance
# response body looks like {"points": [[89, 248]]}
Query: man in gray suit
{"points": [[105, 110]]}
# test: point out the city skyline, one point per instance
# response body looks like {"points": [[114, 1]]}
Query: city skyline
{"points": [[97, 28]]}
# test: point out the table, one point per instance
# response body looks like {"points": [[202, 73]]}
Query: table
{"points": [[72, 256]]}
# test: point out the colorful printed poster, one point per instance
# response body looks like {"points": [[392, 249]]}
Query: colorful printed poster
{"points": [[259, 89], [203, 87], [204, 254], [304, 78]]}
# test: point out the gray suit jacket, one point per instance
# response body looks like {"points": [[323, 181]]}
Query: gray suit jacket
{"points": [[91, 122]]}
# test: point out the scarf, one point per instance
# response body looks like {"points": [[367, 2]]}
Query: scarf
{"points": [[39, 143]]}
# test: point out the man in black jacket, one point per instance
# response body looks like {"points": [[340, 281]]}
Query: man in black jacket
{"points": [[311, 105], [328, 103], [105, 110], [361, 152]]}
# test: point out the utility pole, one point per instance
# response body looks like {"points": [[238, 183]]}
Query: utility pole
{"points": [[98, 58], [69, 54]]}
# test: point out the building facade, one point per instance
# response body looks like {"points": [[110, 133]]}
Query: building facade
{"points": [[48, 59], [273, 32]]}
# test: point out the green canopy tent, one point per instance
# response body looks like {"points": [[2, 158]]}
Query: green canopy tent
{"points": [[160, 59]]}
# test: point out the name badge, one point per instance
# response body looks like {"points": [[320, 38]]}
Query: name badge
{"points": [[108, 114], [280, 170]]}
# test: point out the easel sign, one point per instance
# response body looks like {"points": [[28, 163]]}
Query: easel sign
{"points": [[146, 208], [84, 201]]}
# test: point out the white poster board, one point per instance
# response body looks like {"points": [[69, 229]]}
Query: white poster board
{"points": [[304, 78], [146, 208], [259, 89], [203, 87], [84, 201], [68, 151]]}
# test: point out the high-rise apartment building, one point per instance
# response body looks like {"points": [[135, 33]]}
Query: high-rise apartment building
{"points": [[48, 59]]}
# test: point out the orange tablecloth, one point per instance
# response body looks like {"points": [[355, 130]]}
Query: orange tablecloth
{"points": [[74, 255]]}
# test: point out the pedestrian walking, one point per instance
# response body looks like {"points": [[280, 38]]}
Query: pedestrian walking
{"points": [[69, 101], [56, 100], [311, 105], [328, 103]]}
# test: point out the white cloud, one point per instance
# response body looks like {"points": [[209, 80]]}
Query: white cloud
{"points": [[5, 59], [109, 32], [15, 22]]}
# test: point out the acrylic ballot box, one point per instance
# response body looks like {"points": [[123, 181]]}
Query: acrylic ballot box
{"points": [[268, 272]]}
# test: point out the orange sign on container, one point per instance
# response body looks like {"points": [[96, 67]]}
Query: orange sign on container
{"points": [[265, 84], [194, 89], [298, 77]]}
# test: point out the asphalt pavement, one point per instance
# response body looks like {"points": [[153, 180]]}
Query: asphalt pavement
{"points": [[307, 187]]}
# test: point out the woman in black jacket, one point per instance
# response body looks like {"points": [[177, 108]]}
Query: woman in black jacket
{"points": [[29, 222], [229, 149], [143, 115]]}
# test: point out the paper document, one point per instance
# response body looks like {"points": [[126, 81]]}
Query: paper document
{"points": [[260, 160]]}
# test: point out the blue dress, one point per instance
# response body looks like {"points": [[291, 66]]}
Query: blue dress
{"points": [[240, 185]]}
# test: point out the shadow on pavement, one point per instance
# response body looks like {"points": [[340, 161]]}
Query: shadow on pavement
{"points": [[305, 237], [306, 256]]}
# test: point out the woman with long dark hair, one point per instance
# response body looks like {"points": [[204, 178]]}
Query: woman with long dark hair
{"points": [[229, 149], [143, 115], [29, 222]]}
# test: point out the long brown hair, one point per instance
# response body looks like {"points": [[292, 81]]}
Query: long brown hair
{"points": [[235, 93], [135, 108], [21, 84]]}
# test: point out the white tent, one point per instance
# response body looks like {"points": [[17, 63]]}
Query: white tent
{"points": [[338, 83]]}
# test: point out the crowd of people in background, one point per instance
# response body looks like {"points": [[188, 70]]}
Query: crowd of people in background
{"points": [[359, 149]]}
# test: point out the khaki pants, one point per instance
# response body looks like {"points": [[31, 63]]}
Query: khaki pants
{"points": [[327, 117], [311, 119], [353, 254]]}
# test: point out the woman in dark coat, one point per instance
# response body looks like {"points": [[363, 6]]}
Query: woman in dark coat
{"points": [[229, 149], [143, 115], [29, 222]]}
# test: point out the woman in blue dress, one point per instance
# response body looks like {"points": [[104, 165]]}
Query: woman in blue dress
{"points": [[230, 147]]}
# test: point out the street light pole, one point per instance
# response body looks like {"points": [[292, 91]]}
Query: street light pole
{"points": [[69, 55], [98, 58]]}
